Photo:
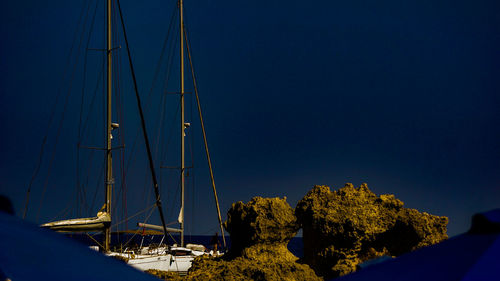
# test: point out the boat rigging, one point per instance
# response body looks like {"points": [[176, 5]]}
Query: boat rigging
{"points": [[103, 220]]}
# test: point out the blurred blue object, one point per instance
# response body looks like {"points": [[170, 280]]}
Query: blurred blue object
{"points": [[28, 252], [474, 255]]}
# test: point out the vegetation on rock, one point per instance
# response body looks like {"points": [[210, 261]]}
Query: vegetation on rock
{"points": [[344, 228]]}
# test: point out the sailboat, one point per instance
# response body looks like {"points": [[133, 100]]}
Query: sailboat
{"points": [[168, 258]]}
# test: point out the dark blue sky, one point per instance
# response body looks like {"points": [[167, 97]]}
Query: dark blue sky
{"points": [[403, 95]]}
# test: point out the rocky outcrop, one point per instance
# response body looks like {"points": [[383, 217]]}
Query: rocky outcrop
{"points": [[344, 228], [341, 229], [260, 231], [260, 221], [165, 275], [257, 262]]}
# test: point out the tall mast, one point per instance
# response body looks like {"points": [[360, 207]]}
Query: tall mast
{"points": [[109, 167], [183, 125]]}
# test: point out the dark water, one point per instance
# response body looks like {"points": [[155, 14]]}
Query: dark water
{"points": [[129, 240]]}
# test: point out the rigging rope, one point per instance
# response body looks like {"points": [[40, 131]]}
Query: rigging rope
{"points": [[52, 114], [137, 232], [164, 90], [204, 136], [59, 129], [146, 140], [119, 111], [192, 170], [78, 185], [135, 215], [169, 137], [99, 180], [148, 101], [91, 155]]}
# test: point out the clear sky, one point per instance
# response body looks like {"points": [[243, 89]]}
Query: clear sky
{"points": [[402, 95]]}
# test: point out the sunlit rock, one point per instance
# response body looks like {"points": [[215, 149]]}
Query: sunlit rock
{"points": [[260, 221], [344, 228]]}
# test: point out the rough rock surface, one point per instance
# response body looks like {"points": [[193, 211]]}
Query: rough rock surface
{"points": [[260, 221], [165, 275], [260, 231], [344, 228], [257, 262]]}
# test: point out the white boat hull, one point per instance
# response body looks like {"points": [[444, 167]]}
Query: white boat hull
{"points": [[180, 264], [178, 260]]}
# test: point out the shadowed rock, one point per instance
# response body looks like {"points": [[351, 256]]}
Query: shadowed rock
{"points": [[344, 228]]}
